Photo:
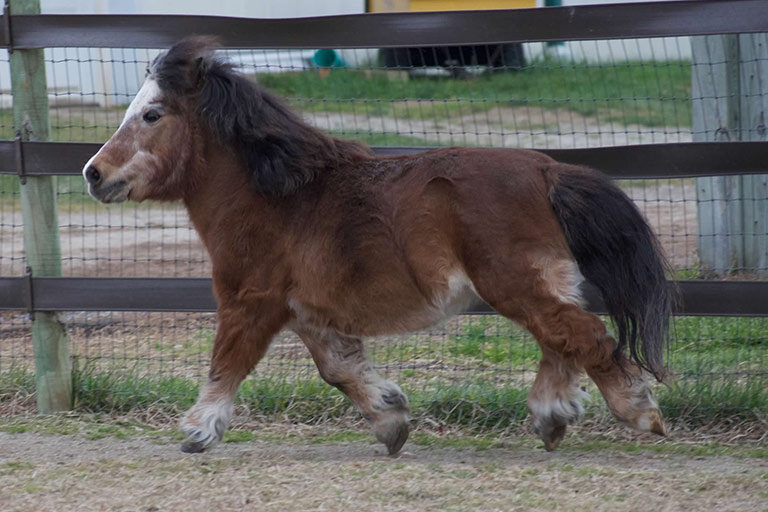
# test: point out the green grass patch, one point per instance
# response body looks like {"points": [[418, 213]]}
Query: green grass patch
{"points": [[96, 426], [478, 405], [70, 190], [647, 93], [9, 468], [706, 401], [484, 339], [718, 366], [476, 442], [114, 392]]}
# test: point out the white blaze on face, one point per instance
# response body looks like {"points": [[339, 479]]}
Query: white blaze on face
{"points": [[149, 93]]}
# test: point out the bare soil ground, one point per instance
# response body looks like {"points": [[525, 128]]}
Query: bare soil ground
{"points": [[524, 127], [70, 472]]}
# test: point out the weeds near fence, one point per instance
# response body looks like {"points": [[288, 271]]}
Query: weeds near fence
{"points": [[718, 364]]}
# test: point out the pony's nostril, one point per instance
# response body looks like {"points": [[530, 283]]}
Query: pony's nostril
{"points": [[92, 175]]}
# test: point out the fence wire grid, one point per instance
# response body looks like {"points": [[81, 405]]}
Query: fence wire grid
{"points": [[470, 369]]}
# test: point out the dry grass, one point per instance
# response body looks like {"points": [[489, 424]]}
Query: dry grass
{"points": [[307, 468]]}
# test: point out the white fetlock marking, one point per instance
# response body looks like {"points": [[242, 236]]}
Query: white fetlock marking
{"points": [[387, 396], [560, 409], [206, 422]]}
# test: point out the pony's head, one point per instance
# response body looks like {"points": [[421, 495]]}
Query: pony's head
{"points": [[192, 101], [150, 153]]}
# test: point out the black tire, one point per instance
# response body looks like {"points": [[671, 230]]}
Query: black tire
{"points": [[502, 56], [511, 57]]}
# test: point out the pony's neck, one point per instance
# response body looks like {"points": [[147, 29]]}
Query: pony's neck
{"points": [[221, 187], [282, 151]]}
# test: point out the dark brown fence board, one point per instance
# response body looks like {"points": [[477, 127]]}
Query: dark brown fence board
{"points": [[123, 294], [725, 298], [651, 19], [673, 160], [13, 293], [676, 160]]}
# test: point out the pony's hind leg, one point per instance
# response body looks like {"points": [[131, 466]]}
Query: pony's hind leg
{"points": [[555, 400], [242, 338], [582, 340], [343, 363], [546, 300]]}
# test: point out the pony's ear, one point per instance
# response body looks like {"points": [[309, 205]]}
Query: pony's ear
{"points": [[181, 69]]}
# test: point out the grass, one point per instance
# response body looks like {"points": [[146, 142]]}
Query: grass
{"points": [[307, 468], [93, 426], [478, 377], [701, 346], [478, 404], [71, 190], [647, 93], [718, 364]]}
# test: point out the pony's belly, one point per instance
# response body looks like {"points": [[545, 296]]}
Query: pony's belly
{"points": [[390, 315], [411, 321]]}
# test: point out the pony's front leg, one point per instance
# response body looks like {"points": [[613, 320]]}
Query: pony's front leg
{"points": [[343, 363], [243, 334]]}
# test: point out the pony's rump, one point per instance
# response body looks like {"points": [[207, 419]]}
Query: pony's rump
{"points": [[616, 251]]}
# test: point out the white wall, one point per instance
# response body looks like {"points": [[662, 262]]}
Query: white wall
{"points": [[665, 48], [242, 8], [113, 76]]}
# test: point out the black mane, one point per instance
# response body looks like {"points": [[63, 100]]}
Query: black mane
{"points": [[282, 152]]}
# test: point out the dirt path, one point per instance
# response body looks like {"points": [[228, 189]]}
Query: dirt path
{"points": [[59, 472], [522, 127]]}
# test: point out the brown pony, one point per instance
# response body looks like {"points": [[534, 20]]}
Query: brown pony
{"points": [[314, 233]]}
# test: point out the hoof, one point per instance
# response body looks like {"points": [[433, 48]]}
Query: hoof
{"points": [[649, 420], [199, 439], [204, 426], [550, 418], [553, 438], [393, 435], [657, 424], [192, 446]]}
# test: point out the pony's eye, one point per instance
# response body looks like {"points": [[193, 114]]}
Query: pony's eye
{"points": [[151, 116]]}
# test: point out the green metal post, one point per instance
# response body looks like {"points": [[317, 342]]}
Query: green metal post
{"points": [[53, 366], [556, 48]]}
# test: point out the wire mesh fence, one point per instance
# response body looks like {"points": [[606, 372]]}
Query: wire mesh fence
{"points": [[470, 369]]}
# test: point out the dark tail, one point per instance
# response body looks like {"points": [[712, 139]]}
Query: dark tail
{"points": [[617, 252]]}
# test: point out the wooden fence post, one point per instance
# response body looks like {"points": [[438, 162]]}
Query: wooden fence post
{"points": [[715, 95], [754, 108], [729, 90], [53, 366]]}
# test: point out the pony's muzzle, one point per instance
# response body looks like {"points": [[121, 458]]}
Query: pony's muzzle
{"points": [[109, 192], [92, 175], [103, 189]]}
